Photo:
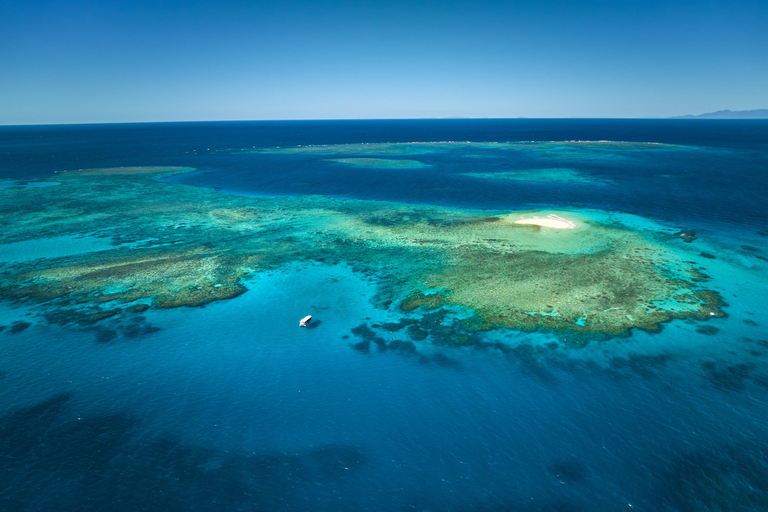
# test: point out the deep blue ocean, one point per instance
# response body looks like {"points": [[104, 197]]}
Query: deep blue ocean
{"points": [[232, 407]]}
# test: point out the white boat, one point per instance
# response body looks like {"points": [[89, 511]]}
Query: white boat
{"points": [[305, 321]]}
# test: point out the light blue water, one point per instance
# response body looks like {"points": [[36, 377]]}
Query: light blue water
{"points": [[54, 247]]}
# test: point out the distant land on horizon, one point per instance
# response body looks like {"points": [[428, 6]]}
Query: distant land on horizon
{"points": [[729, 114]]}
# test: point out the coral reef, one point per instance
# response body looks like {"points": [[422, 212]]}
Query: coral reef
{"points": [[564, 175], [175, 245], [379, 162]]}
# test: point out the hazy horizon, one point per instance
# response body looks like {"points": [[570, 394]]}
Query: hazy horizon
{"points": [[671, 118], [115, 62]]}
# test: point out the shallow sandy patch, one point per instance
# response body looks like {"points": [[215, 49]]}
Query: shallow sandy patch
{"points": [[549, 222]]}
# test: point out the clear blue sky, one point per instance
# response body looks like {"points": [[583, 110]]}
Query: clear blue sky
{"points": [[80, 61]]}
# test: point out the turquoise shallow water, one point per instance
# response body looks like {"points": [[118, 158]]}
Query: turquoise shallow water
{"points": [[25, 184], [232, 406], [54, 247]]}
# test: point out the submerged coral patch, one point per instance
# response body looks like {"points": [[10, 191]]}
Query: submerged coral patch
{"points": [[410, 148], [557, 174], [26, 184], [729, 479], [386, 163], [421, 300]]}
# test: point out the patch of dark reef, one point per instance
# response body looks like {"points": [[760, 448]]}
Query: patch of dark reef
{"points": [[761, 342], [728, 377], [404, 347], [54, 458], [437, 328], [367, 336], [127, 328], [391, 218], [535, 360], [19, 326], [686, 235], [569, 471], [697, 276], [441, 331], [441, 359], [396, 326], [709, 330], [728, 479], [123, 322], [83, 315], [644, 365], [422, 300]]}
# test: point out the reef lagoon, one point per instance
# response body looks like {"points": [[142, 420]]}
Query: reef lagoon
{"points": [[521, 315]]}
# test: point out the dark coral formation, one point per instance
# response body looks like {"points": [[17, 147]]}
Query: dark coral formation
{"points": [[431, 325], [641, 364], [730, 479], [83, 463], [687, 235], [19, 326], [421, 300], [728, 377]]}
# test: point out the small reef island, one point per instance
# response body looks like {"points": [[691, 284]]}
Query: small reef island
{"points": [[550, 221], [129, 242]]}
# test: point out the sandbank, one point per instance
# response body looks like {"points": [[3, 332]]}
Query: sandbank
{"points": [[549, 222]]}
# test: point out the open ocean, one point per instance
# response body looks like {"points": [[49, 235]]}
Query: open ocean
{"points": [[232, 406]]}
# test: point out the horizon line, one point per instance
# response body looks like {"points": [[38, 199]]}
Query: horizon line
{"points": [[450, 118]]}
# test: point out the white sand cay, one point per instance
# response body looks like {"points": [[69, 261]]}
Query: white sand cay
{"points": [[551, 221]]}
